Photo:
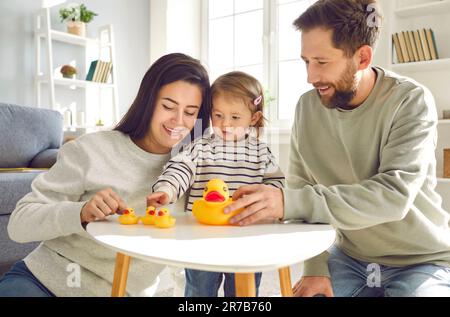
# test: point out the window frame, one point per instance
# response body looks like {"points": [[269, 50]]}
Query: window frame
{"points": [[270, 58]]}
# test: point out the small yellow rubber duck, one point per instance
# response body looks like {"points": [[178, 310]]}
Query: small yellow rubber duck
{"points": [[163, 219], [128, 217], [150, 216], [209, 209]]}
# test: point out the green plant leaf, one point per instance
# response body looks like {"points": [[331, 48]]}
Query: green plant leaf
{"points": [[77, 13]]}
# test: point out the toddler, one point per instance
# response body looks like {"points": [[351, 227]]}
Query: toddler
{"points": [[233, 153]]}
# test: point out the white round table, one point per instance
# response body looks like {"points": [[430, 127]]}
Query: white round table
{"points": [[240, 250]]}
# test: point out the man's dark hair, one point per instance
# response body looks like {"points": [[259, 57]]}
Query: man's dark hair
{"points": [[354, 23]]}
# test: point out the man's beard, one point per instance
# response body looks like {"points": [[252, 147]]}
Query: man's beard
{"points": [[345, 89]]}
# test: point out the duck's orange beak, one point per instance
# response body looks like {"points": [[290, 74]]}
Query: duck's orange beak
{"points": [[214, 197]]}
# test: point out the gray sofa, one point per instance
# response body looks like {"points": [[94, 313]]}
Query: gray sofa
{"points": [[29, 137]]}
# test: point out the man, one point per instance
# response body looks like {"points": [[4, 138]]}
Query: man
{"points": [[362, 159]]}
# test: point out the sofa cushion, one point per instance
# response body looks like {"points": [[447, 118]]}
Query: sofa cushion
{"points": [[13, 186], [26, 132], [11, 252], [45, 159]]}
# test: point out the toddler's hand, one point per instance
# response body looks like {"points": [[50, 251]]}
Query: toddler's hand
{"points": [[157, 199]]}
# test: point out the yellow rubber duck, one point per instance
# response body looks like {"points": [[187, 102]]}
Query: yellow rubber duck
{"points": [[163, 219], [209, 209], [128, 217], [150, 216]]}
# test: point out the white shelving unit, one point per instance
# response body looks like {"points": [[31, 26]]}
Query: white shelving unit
{"points": [[416, 14], [415, 67], [99, 100]]}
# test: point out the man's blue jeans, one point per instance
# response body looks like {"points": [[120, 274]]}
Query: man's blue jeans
{"points": [[207, 284], [354, 278], [20, 282]]}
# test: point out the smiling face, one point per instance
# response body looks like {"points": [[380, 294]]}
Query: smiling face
{"points": [[231, 118], [335, 76], [176, 111]]}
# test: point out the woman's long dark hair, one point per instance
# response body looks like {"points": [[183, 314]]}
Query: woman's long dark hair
{"points": [[168, 69]]}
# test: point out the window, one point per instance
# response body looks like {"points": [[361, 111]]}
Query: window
{"points": [[257, 37], [235, 33]]}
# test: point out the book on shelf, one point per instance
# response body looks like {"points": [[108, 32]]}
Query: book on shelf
{"points": [[99, 71], [424, 42], [108, 72], [432, 43], [419, 45], [96, 71], [403, 47], [398, 50], [91, 71], [408, 46], [415, 46]]}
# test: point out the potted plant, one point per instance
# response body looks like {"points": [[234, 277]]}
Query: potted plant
{"points": [[76, 15], [68, 71]]}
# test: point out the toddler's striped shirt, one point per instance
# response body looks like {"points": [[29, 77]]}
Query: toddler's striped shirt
{"points": [[245, 162]]}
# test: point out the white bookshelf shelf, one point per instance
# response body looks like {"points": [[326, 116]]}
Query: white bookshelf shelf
{"points": [[92, 99], [433, 65], [435, 7], [80, 83], [69, 38], [75, 82], [444, 122]]}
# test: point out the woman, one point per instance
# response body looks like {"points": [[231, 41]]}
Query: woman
{"points": [[99, 174]]}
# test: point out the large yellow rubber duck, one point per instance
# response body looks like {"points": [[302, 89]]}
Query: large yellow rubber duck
{"points": [[163, 219], [209, 209], [128, 217], [150, 216]]}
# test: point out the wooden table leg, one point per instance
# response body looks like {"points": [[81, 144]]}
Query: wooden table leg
{"points": [[285, 282], [245, 284], [120, 275]]}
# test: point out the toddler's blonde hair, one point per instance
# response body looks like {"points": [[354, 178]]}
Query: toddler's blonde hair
{"points": [[241, 86]]}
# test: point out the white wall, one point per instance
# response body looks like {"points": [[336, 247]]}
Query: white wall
{"points": [[158, 29], [132, 33], [381, 57], [175, 27]]}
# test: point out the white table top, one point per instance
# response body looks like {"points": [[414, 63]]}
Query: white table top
{"points": [[256, 248]]}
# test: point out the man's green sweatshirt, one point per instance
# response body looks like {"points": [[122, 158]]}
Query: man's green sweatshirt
{"points": [[371, 174]]}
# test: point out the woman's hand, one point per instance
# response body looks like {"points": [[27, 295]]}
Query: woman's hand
{"points": [[310, 286], [101, 205], [157, 199], [261, 202]]}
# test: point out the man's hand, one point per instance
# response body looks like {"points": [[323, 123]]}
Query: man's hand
{"points": [[261, 202], [310, 286], [104, 203], [157, 199]]}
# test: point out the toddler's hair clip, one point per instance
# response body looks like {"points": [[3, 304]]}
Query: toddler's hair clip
{"points": [[258, 100]]}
